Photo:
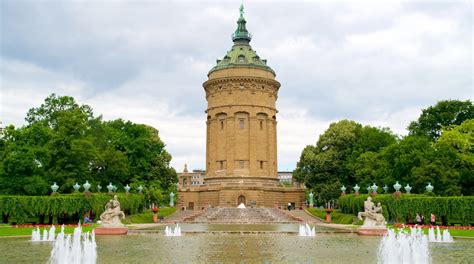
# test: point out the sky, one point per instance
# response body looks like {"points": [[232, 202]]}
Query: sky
{"points": [[376, 62]]}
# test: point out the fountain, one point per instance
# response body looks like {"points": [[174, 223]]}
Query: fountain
{"points": [[78, 249], [170, 231], [445, 237], [404, 247], [306, 230], [47, 235]]}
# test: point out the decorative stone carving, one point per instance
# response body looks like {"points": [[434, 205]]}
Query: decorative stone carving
{"points": [[374, 223], [373, 214], [112, 215]]}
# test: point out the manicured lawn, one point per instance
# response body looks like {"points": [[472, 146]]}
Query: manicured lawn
{"points": [[26, 231], [336, 216], [147, 216], [452, 231]]}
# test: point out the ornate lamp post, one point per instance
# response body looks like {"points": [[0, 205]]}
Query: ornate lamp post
{"points": [[86, 186], [385, 188], [127, 189], [171, 199], [397, 187], [54, 188], [356, 190], [311, 202], [76, 187], [140, 189], [374, 189], [110, 187], [408, 188], [429, 187]]}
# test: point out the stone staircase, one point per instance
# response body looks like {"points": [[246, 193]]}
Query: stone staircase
{"points": [[184, 216], [243, 216]]}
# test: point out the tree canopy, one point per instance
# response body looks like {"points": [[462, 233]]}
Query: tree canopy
{"points": [[444, 114], [64, 142], [438, 150]]}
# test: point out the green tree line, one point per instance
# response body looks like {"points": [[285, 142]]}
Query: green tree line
{"points": [[439, 149], [64, 142]]}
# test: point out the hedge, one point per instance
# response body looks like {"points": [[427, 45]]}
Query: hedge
{"points": [[455, 208], [22, 207]]}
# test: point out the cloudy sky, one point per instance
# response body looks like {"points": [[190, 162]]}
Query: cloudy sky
{"points": [[376, 63]]}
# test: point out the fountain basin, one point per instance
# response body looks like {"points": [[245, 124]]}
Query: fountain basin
{"points": [[326, 247], [372, 231], [110, 231]]}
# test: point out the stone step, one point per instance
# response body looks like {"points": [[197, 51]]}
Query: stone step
{"points": [[247, 215]]}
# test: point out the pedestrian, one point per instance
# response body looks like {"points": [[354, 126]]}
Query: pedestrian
{"points": [[289, 206], [433, 219], [418, 219]]}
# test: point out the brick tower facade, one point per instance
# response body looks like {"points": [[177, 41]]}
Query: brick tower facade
{"points": [[241, 144]]}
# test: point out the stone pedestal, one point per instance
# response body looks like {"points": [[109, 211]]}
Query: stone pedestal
{"points": [[111, 231], [328, 215], [372, 231]]}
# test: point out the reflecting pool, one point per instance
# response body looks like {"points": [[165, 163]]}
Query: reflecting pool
{"points": [[233, 247]]}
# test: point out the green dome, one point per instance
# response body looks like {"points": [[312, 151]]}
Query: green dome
{"points": [[241, 54]]}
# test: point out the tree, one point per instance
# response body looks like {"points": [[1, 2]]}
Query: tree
{"points": [[457, 143], [334, 157], [63, 142], [443, 114]]}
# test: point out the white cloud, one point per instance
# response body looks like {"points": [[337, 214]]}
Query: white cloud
{"points": [[378, 63]]}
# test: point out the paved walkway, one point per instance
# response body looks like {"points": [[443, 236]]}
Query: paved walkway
{"points": [[303, 216], [308, 218]]}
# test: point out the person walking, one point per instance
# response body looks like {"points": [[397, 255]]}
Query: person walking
{"points": [[418, 219], [433, 219], [289, 206]]}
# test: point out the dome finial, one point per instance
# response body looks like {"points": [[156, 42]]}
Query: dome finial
{"points": [[241, 35]]}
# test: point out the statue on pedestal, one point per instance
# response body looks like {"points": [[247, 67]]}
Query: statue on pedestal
{"points": [[112, 215], [373, 214]]}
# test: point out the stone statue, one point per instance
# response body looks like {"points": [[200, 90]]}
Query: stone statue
{"points": [[373, 214], [112, 215]]}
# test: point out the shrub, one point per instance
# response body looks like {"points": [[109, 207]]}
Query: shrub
{"points": [[23, 207], [459, 208]]}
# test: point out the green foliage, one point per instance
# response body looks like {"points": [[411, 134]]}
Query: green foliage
{"points": [[457, 145], [22, 207], [443, 114], [147, 216], [398, 209], [334, 158], [64, 143], [336, 216], [439, 150]]}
